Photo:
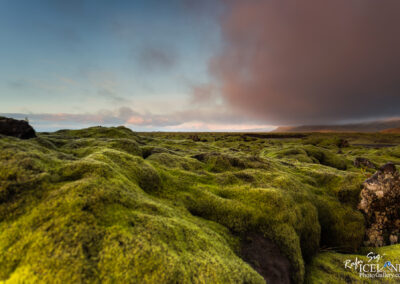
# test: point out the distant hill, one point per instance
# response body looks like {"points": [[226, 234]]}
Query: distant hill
{"points": [[385, 126], [391, 130]]}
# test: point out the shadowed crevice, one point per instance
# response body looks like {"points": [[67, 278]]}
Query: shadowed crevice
{"points": [[265, 257]]}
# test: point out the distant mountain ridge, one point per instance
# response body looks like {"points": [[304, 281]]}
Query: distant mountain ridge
{"points": [[385, 126]]}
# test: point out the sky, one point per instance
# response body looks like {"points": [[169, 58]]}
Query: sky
{"points": [[187, 65]]}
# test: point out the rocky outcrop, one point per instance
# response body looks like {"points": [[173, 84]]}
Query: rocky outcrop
{"points": [[360, 162], [380, 203], [17, 128]]}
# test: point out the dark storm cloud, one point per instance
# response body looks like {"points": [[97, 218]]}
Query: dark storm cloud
{"points": [[310, 61]]}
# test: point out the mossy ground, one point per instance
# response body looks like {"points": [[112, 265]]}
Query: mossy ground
{"points": [[329, 267], [109, 205]]}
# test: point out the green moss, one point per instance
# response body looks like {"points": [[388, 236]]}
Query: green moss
{"points": [[329, 267], [128, 145], [294, 153], [175, 161], [109, 205], [311, 154], [98, 132], [76, 227], [342, 227], [326, 157], [319, 140]]}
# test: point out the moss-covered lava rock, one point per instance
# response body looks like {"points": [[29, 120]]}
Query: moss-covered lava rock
{"points": [[110, 205]]}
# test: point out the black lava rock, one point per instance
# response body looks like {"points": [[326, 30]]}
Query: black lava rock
{"points": [[17, 128]]}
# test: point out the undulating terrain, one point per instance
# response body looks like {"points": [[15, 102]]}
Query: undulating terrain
{"points": [[386, 126], [110, 205]]}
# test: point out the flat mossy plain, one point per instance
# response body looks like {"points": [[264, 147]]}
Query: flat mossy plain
{"points": [[110, 205]]}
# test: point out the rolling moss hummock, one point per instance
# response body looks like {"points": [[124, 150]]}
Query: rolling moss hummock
{"points": [[109, 205]]}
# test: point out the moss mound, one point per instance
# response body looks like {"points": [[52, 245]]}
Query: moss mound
{"points": [[98, 132], [312, 154]]}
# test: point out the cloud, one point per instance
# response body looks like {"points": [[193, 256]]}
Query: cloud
{"points": [[203, 93], [156, 58], [111, 95], [106, 85], [206, 119], [70, 6], [316, 61], [215, 127], [200, 10], [49, 86], [18, 84]]}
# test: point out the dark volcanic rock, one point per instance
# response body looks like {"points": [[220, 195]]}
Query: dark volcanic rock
{"points": [[266, 258], [380, 201], [360, 162], [17, 128], [343, 143], [195, 138]]}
